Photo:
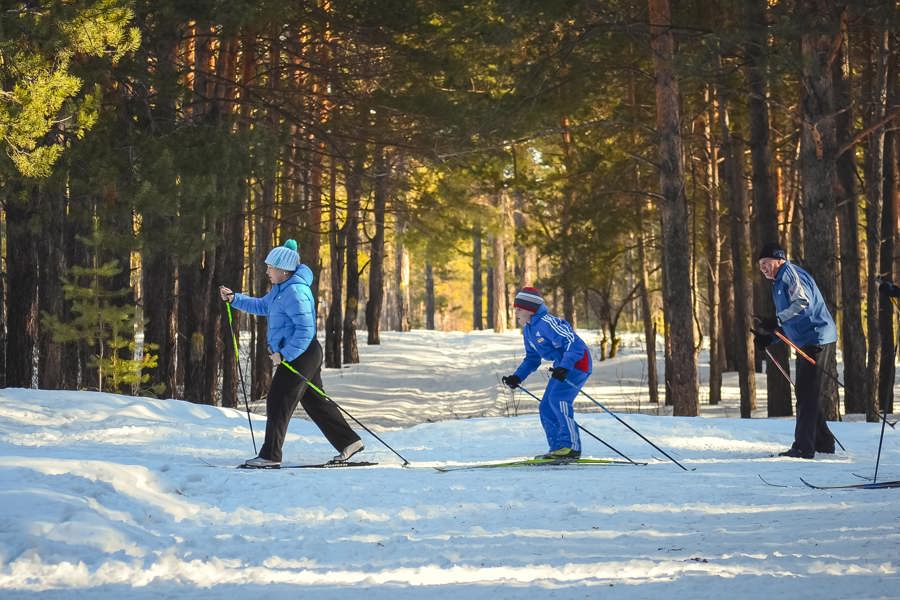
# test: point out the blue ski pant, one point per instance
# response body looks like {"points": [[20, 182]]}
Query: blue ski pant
{"points": [[557, 413]]}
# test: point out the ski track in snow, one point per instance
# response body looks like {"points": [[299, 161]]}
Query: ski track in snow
{"points": [[107, 496]]}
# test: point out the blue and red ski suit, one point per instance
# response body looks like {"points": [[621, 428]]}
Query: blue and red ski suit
{"points": [[551, 338]]}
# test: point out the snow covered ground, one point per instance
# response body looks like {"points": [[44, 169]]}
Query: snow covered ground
{"points": [[107, 496]]}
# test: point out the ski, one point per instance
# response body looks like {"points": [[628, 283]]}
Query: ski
{"points": [[881, 485], [779, 485], [326, 465], [539, 462]]}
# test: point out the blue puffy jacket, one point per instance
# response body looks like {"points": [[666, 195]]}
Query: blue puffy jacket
{"points": [[550, 338], [800, 308], [291, 310]]}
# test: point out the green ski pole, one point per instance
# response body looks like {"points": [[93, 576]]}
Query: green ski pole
{"points": [[325, 396], [237, 359]]}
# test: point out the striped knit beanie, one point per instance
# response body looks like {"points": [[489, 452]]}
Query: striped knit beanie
{"points": [[529, 299], [284, 257]]}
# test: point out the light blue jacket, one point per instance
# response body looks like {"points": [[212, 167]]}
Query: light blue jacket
{"points": [[291, 310], [551, 338], [800, 308]]}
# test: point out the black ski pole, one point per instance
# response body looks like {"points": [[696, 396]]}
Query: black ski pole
{"points": [[237, 359], [325, 396], [883, 422], [638, 433], [880, 440], [780, 368], [521, 387]]}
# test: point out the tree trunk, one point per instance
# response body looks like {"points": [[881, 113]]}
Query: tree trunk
{"points": [[232, 255], [499, 271], [568, 261], [264, 240], [852, 337], [818, 155], [200, 329], [311, 253], [732, 157], [877, 91], [489, 276], [333, 324], [3, 314], [351, 226], [713, 256], [646, 307], [401, 273], [739, 236], [429, 296], [158, 276], [22, 300], [676, 253], [376, 263], [778, 389], [728, 343], [477, 285], [52, 267], [889, 216]]}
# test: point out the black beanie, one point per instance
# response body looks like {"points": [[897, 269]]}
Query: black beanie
{"points": [[772, 250]]}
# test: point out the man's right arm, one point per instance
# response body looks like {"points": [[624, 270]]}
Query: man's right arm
{"points": [[798, 295]]}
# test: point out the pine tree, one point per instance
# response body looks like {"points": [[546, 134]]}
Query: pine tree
{"points": [[106, 324]]}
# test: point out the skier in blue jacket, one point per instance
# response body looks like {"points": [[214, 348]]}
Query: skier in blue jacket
{"points": [[551, 338], [290, 308], [802, 316]]}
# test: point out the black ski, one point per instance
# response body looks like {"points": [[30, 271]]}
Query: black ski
{"points": [[881, 485], [326, 465], [770, 483]]}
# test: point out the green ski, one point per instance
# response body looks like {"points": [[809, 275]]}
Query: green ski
{"points": [[540, 462]]}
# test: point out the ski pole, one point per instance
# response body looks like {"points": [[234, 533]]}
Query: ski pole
{"points": [[884, 421], [325, 396], [237, 359], [614, 415], [809, 359], [780, 368], [880, 440], [521, 387]]}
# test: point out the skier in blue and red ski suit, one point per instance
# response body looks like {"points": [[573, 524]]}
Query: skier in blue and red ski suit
{"points": [[551, 338]]}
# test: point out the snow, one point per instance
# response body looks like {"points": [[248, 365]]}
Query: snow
{"points": [[107, 496]]}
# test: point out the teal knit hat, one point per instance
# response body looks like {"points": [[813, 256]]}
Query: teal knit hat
{"points": [[284, 257]]}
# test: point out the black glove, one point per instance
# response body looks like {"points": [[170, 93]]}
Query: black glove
{"points": [[559, 373], [762, 340], [511, 381], [766, 324]]}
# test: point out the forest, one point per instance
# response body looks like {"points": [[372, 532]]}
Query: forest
{"points": [[629, 158]]}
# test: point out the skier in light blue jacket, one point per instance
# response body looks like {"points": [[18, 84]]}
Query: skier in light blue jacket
{"points": [[551, 338], [803, 317], [290, 308]]}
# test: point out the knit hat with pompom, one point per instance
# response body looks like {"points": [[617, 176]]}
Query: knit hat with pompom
{"points": [[284, 257]]}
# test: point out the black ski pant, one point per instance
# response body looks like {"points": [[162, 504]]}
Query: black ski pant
{"points": [[811, 432], [287, 390]]}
